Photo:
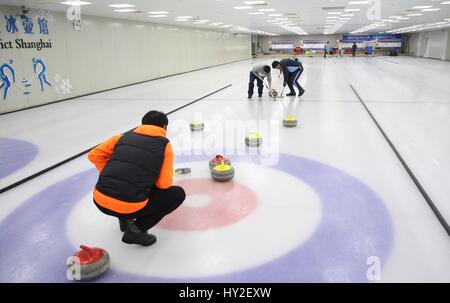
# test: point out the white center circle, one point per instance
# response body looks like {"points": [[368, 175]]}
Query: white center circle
{"points": [[277, 226], [197, 200]]}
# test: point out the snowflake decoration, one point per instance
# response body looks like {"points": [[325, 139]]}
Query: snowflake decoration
{"points": [[66, 87], [62, 86], [48, 15]]}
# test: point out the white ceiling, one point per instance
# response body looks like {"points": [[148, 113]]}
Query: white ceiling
{"points": [[309, 14]]}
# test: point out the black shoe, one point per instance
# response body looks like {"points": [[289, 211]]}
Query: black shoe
{"points": [[301, 93], [249, 97], [260, 96], [124, 224], [133, 235], [291, 94]]}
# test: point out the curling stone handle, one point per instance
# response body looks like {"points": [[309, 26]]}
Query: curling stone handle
{"points": [[84, 247]]}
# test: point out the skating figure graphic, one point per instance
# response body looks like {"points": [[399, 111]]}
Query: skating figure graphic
{"points": [[40, 73], [5, 78]]}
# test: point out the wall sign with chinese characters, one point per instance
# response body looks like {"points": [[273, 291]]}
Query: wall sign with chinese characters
{"points": [[26, 25]]}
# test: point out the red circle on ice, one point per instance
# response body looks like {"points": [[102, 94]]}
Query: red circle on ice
{"points": [[230, 203]]}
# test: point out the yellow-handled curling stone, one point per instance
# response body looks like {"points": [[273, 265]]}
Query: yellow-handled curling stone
{"points": [[222, 172], [253, 140], [197, 126], [290, 121], [218, 160]]}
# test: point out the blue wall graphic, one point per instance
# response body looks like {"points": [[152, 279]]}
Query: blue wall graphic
{"points": [[8, 77], [6, 71]]}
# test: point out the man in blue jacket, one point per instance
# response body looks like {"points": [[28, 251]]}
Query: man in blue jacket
{"points": [[291, 69]]}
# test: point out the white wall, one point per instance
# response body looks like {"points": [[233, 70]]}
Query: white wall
{"points": [[438, 46], [109, 53], [264, 41]]}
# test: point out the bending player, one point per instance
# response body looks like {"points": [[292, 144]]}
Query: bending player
{"points": [[135, 182], [259, 73], [291, 69]]}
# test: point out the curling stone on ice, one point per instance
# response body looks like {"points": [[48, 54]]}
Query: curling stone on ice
{"points": [[290, 122], [274, 94], [89, 263], [218, 160], [182, 171], [253, 140], [222, 172], [197, 126]]}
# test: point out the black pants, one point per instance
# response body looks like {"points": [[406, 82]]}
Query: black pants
{"points": [[293, 80], [162, 202], [251, 85]]}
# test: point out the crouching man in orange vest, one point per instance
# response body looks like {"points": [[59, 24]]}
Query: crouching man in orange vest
{"points": [[136, 176]]}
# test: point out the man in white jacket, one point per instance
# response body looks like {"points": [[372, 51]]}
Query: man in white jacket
{"points": [[259, 73]]}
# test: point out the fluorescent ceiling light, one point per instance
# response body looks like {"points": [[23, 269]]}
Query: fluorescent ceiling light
{"points": [[275, 15], [243, 7], [334, 13], [414, 15], [256, 13], [158, 13], [158, 16], [254, 2], [75, 3], [431, 9], [121, 5], [125, 10], [181, 19], [422, 7], [267, 10], [185, 17], [347, 15], [352, 10], [358, 2]]}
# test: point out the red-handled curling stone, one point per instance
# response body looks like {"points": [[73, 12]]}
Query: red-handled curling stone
{"points": [[89, 263], [218, 160]]}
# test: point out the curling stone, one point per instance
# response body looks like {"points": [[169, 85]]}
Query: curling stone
{"points": [[89, 263], [290, 122], [197, 126], [217, 161], [253, 140], [222, 172], [274, 94], [182, 171]]}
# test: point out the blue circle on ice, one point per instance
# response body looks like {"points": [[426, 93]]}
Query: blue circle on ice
{"points": [[355, 225], [14, 155]]}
